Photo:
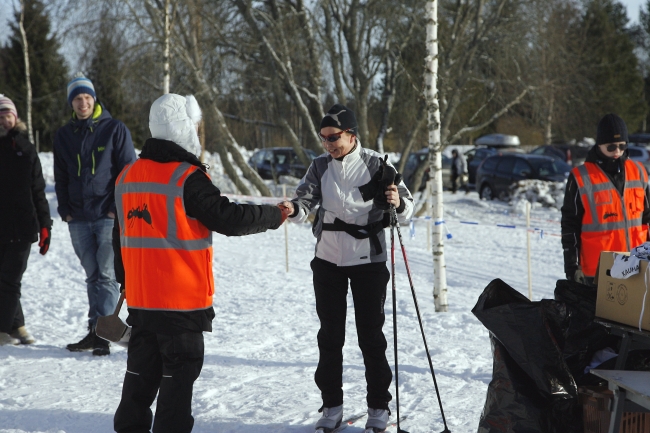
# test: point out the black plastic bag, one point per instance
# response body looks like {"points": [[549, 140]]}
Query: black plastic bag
{"points": [[532, 389], [582, 337]]}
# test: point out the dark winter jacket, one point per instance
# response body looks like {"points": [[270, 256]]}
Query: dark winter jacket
{"points": [[24, 210], [204, 202], [88, 156], [573, 210]]}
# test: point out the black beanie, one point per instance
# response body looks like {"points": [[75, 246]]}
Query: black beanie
{"points": [[611, 129], [340, 116]]}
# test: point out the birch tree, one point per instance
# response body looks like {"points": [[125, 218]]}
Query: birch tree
{"points": [[189, 45], [435, 156], [28, 80]]}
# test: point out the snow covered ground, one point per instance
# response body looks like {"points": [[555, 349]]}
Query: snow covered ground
{"points": [[261, 357]]}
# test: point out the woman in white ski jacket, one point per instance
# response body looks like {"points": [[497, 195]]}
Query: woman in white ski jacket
{"points": [[351, 246]]}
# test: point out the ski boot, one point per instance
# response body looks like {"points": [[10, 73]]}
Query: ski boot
{"points": [[377, 420]]}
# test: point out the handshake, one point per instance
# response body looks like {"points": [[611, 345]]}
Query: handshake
{"points": [[287, 209]]}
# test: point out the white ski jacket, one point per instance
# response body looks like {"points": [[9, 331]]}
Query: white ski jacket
{"points": [[334, 186]]}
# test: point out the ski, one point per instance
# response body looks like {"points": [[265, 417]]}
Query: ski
{"points": [[392, 424], [344, 424]]}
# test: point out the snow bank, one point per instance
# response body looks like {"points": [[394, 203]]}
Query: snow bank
{"points": [[538, 193]]}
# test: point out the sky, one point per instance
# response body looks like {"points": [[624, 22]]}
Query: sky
{"points": [[633, 9]]}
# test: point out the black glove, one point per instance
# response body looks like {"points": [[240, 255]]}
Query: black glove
{"points": [[387, 176]]}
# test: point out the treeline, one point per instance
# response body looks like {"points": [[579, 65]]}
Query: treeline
{"points": [[263, 71]]}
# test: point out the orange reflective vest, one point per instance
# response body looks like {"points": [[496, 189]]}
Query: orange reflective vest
{"points": [[610, 222], [167, 255]]}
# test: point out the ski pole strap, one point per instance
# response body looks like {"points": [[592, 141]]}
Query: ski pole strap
{"points": [[369, 231]]}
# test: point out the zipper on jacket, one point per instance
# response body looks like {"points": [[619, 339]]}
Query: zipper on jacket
{"points": [[93, 155], [79, 164]]}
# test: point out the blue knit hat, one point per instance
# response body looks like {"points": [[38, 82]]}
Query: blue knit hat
{"points": [[80, 84]]}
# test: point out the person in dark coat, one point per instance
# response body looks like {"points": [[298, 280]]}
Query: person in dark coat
{"points": [[458, 170], [616, 198], [166, 348], [89, 152], [24, 217]]}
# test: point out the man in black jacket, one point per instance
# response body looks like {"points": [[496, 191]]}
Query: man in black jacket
{"points": [[615, 191], [24, 216], [166, 345]]}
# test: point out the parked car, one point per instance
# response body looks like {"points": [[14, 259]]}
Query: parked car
{"points": [[640, 154], [497, 173], [279, 161], [640, 139], [476, 156], [414, 161], [572, 154], [498, 140]]}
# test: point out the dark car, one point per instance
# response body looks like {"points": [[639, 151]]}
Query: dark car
{"points": [[497, 173], [476, 156], [411, 166], [279, 161], [640, 139], [570, 153]]}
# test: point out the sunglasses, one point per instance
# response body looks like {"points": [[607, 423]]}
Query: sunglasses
{"points": [[613, 147], [332, 138]]}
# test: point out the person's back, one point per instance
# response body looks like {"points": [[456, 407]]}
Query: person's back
{"points": [[167, 210]]}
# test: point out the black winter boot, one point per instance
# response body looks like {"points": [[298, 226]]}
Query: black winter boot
{"points": [[101, 347], [85, 343]]}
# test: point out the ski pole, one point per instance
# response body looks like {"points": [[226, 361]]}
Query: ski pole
{"points": [[393, 214], [417, 309]]}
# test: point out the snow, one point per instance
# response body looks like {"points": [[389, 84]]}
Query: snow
{"points": [[261, 357]]}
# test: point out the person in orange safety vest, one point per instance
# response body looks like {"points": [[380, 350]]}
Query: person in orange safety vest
{"points": [[167, 209], [605, 203]]}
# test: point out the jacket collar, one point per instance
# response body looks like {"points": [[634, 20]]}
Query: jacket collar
{"points": [[607, 164], [353, 155], [163, 151], [81, 125]]}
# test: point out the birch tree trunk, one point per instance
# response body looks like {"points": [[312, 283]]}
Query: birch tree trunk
{"points": [[435, 156], [166, 44], [28, 80]]}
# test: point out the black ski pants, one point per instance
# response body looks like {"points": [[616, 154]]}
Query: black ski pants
{"points": [[368, 284], [13, 263], [161, 364]]}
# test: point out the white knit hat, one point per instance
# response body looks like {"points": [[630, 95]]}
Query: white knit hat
{"points": [[174, 117]]}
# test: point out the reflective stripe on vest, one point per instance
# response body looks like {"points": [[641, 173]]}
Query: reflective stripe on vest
{"points": [[167, 255], [610, 222]]}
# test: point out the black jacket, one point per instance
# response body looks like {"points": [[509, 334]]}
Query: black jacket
{"points": [[204, 202], [88, 156], [573, 210], [24, 210]]}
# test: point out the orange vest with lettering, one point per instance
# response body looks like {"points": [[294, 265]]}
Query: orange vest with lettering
{"points": [[167, 255], [610, 222]]}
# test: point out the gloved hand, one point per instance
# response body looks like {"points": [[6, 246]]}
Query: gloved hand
{"points": [[388, 176], [44, 240], [579, 276], [287, 210]]}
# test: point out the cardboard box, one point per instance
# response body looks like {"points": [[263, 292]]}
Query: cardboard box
{"points": [[622, 300]]}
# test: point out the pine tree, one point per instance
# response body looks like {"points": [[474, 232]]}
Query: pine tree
{"points": [[47, 68], [611, 65], [113, 75]]}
